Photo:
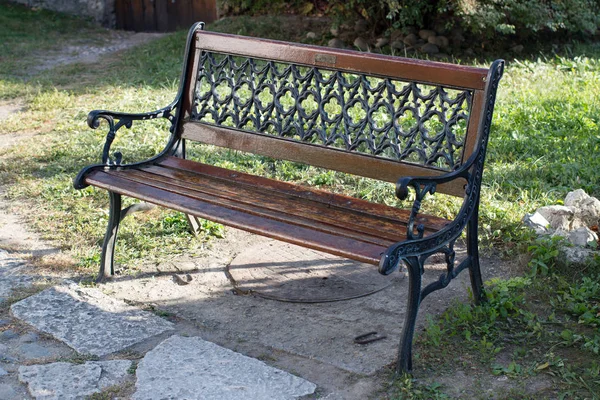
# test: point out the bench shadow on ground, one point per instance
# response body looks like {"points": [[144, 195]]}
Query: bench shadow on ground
{"points": [[312, 340]]}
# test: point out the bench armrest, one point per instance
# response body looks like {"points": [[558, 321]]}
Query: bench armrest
{"points": [[118, 119], [429, 182], [415, 244]]}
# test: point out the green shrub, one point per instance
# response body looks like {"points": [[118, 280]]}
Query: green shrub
{"points": [[484, 18], [526, 17]]}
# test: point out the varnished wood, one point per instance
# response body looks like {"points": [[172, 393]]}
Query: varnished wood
{"points": [[189, 88], [435, 73], [281, 202], [476, 115], [282, 207], [255, 203], [319, 156], [307, 237], [395, 215]]}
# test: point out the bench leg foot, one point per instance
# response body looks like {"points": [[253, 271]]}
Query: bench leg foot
{"points": [[473, 254], [194, 224], [108, 247], [415, 269]]}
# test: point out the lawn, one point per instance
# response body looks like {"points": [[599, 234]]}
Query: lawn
{"points": [[545, 142]]}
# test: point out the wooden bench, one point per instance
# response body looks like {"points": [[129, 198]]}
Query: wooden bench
{"points": [[419, 124]]}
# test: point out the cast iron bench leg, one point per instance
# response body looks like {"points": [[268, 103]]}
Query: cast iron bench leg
{"points": [[115, 216], [473, 254], [415, 268], [108, 247]]}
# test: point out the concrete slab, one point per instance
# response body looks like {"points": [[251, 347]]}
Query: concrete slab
{"points": [[88, 320], [67, 381], [192, 368]]}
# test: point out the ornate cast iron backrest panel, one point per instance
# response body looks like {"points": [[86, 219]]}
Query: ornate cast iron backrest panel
{"points": [[383, 117]]}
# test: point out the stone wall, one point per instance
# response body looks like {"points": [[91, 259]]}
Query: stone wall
{"points": [[101, 11]]}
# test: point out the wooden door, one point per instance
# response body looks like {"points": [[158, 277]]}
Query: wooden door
{"points": [[163, 15]]}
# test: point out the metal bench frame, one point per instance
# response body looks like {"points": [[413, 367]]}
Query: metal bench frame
{"points": [[446, 163]]}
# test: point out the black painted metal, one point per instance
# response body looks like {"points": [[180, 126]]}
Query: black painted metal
{"points": [[417, 249], [116, 120], [382, 117], [108, 247]]}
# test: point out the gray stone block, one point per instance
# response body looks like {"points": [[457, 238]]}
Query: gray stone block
{"points": [[30, 351], [192, 368], [9, 334], [7, 392], [67, 381], [88, 320], [29, 337]]}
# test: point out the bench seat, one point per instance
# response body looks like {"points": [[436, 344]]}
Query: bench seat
{"points": [[325, 221]]}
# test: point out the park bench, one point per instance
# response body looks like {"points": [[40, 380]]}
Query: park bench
{"points": [[418, 124]]}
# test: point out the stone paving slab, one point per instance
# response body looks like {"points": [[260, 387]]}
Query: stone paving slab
{"points": [[67, 381], [192, 368], [11, 276], [88, 320]]}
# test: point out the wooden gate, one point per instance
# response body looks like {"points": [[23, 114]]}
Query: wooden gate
{"points": [[163, 15]]}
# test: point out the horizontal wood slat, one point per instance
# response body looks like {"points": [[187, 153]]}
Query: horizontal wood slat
{"points": [[346, 60], [393, 214], [288, 213], [319, 156]]}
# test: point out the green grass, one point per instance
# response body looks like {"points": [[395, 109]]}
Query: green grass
{"points": [[545, 142], [27, 34], [545, 325]]}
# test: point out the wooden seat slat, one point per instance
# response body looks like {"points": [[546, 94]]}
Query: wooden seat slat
{"points": [[271, 205], [261, 197], [330, 243], [254, 205], [396, 215]]}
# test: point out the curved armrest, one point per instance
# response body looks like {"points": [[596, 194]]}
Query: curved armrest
{"points": [[430, 182], [124, 119], [422, 187]]}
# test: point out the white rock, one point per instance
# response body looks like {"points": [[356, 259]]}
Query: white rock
{"points": [[582, 236], [588, 210], [575, 197], [537, 222], [559, 217], [560, 232], [574, 257]]}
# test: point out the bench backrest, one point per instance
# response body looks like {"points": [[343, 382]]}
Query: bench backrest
{"points": [[367, 114]]}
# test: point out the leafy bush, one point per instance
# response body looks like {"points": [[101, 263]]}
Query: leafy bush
{"points": [[523, 18], [485, 18]]}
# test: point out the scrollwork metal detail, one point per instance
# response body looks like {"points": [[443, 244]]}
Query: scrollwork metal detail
{"points": [[472, 171], [116, 120], [382, 117]]}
